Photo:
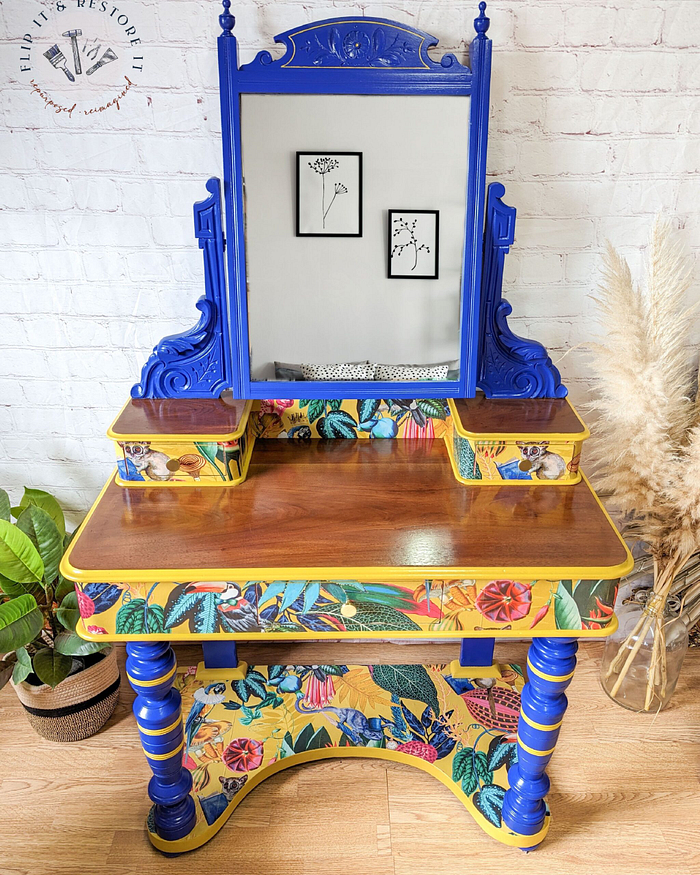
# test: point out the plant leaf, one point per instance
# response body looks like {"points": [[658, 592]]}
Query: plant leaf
{"points": [[19, 559], [338, 424], [70, 644], [366, 408], [433, 408], [5, 506], [51, 667], [13, 589], [23, 666], [501, 753], [20, 622], [375, 618], [273, 590], [489, 801], [460, 763], [407, 682], [103, 595], [317, 407], [68, 613], [63, 588], [42, 530], [292, 591], [311, 593], [206, 615], [46, 502], [566, 613], [130, 618]]}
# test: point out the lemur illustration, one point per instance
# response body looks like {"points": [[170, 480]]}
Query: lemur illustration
{"points": [[546, 465], [214, 805], [150, 462]]}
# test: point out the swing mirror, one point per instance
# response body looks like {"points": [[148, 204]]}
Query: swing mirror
{"points": [[355, 186]]}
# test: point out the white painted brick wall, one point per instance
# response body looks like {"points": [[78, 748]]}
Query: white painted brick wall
{"points": [[595, 128]]}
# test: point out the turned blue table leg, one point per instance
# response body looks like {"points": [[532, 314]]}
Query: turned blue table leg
{"points": [[550, 663], [151, 672]]}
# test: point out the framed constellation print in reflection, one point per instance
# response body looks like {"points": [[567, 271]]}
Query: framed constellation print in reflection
{"points": [[414, 244], [329, 194]]}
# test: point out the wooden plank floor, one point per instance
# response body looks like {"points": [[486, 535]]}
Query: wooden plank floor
{"points": [[625, 796]]}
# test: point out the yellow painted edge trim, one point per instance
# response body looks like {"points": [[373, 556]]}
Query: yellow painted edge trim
{"points": [[561, 436], [378, 573], [485, 481], [152, 683], [200, 436], [165, 731], [531, 750], [428, 634], [223, 674], [474, 671], [555, 678], [164, 756], [541, 726], [191, 484], [502, 835]]}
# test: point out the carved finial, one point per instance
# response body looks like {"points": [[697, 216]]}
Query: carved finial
{"points": [[481, 24], [226, 20]]}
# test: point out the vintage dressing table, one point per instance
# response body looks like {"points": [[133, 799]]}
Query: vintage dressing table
{"points": [[417, 477]]}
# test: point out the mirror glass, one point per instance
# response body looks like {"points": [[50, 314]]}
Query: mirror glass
{"points": [[355, 223]]}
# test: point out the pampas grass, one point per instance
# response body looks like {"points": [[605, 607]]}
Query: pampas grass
{"points": [[648, 445]]}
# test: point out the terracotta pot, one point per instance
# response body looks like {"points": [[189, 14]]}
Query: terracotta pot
{"points": [[79, 706]]}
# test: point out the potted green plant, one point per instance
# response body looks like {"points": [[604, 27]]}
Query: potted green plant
{"points": [[69, 687]]}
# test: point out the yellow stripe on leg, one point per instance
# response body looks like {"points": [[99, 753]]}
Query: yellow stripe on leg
{"points": [[541, 726], [536, 753], [165, 731], [155, 682], [165, 756], [555, 678]]}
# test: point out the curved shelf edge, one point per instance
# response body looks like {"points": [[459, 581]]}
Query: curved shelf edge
{"points": [[204, 832], [462, 731]]}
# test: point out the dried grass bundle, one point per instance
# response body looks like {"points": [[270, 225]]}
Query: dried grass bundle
{"points": [[648, 444]]}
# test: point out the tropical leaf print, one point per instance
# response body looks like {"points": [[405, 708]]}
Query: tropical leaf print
{"points": [[566, 615], [373, 618], [489, 801], [501, 753], [433, 408], [407, 682], [337, 424], [103, 595], [179, 606], [366, 408], [356, 689], [137, 617], [206, 615]]}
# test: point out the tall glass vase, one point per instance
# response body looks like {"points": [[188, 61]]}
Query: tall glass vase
{"points": [[643, 657]]}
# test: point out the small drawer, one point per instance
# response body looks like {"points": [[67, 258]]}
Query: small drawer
{"points": [[490, 441], [207, 444]]}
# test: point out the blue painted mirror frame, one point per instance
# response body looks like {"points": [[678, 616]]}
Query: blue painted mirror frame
{"points": [[351, 56]]}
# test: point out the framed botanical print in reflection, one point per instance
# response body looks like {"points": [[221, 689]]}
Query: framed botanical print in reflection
{"points": [[414, 244], [329, 194]]}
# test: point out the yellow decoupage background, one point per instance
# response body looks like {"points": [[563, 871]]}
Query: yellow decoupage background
{"points": [[346, 608]]}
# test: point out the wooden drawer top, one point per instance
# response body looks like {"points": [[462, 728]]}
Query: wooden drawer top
{"points": [[526, 417], [195, 418]]}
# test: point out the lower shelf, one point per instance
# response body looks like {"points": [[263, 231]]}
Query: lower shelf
{"points": [[240, 731]]}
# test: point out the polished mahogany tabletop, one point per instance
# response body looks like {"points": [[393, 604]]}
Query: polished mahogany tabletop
{"points": [[178, 416], [328, 507], [482, 415]]}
